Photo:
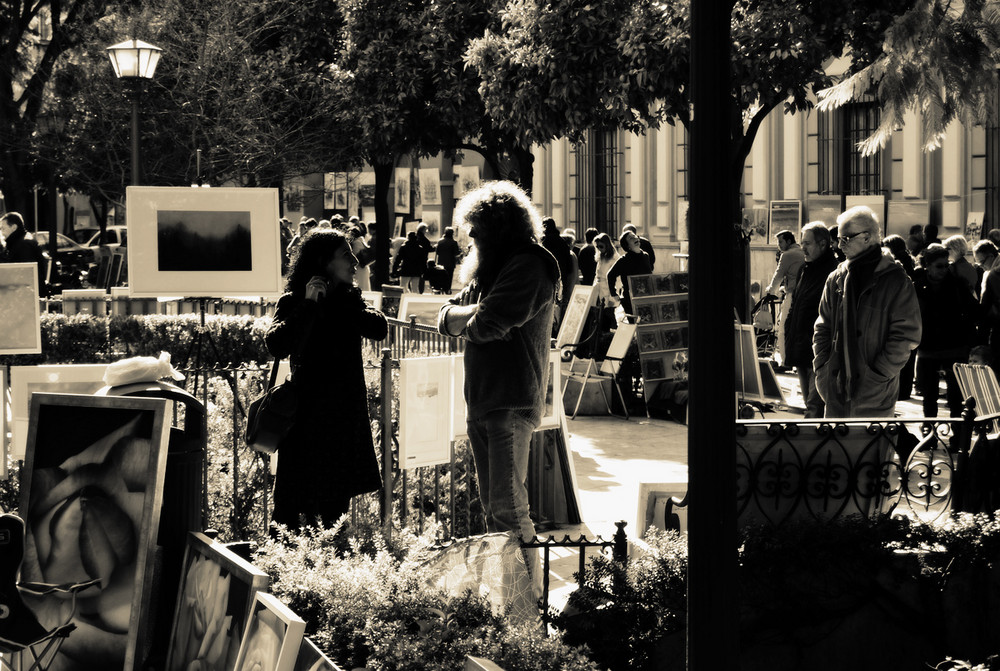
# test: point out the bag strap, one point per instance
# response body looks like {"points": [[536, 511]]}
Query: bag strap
{"points": [[274, 373]]}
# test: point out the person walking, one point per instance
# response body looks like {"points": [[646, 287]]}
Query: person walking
{"points": [[869, 321], [447, 254], [328, 455], [505, 315], [817, 249], [947, 310], [410, 264], [588, 258], [783, 283]]}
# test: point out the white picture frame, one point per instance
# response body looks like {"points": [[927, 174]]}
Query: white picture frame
{"points": [[432, 218], [20, 311], [552, 406], [401, 192], [54, 378], [784, 215], [177, 234], [425, 307], [272, 636], [580, 302], [4, 421], [373, 299], [426, 386], [459, 413], [466, 179]]}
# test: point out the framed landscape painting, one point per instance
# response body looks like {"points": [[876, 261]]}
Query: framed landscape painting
{"points": [[272, 637], [19, 309], [217, 588], [203, 242], [91, 492], [56, 379], [580, 302], [424, 307]]}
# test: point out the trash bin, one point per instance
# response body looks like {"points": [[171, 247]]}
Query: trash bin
{"points": [[180, 511]]}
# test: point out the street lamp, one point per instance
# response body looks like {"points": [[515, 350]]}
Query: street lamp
{"points": [[134, 61]]}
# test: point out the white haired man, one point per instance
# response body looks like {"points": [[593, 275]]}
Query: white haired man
{"points": [[869, 322]]}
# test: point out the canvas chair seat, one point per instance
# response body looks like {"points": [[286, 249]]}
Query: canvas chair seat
{"points": [[608, 369], [26, 645]]}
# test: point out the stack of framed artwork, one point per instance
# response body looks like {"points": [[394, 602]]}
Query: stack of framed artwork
{"points": [[660, 302]]}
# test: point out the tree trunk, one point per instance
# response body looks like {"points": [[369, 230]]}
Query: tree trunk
{"points": [[383, 225]]}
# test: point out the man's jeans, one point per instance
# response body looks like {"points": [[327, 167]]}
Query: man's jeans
{"points": [[501, 441]]}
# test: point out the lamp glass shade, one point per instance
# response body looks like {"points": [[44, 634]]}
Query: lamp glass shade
{"points": [[134, 58]]}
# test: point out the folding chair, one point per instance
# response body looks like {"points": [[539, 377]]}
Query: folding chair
{"points": [[608, 369], [25, 645], [980, 383]]}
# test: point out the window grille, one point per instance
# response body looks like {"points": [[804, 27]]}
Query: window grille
{"points": [[842, 168], [598, 198]]}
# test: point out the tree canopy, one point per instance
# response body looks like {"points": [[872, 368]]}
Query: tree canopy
{"points": [[940, 59]]}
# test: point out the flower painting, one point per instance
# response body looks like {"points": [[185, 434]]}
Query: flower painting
{"points": [[91, 496], [216, 590]]}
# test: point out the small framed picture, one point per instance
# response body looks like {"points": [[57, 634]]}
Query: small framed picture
{"points": [[674, 337], [272, 637], [668, 311], [649, 339], [373, 299], [679, 282], [652, 368], [641, 285], [664, 285], [646, 312]]}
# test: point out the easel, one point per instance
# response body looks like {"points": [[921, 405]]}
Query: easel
{"points": [[608, 369]]}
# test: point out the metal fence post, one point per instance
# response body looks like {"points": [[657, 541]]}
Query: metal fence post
{"points": [[386, 430]]}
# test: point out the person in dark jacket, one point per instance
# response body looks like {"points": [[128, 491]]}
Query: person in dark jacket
{"points": [[447, 253], [587, 258], [505, 315], [552, 241], [896, 246], [869, 321], [20, 247], [328, 455], [644, 244], [410, 264], [947, 311], [633, 261], [802, 313]]}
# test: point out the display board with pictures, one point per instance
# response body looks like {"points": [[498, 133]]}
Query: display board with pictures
{"points": [[660, 302]]}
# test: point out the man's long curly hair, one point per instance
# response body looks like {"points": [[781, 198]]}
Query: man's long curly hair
{"points": [[311, 257], [500, 219]]}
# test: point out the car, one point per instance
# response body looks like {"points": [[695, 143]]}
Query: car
{"points": [[72, 261], [114, 236]]}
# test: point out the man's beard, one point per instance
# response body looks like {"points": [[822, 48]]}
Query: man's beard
{"points": [[482, 266]]}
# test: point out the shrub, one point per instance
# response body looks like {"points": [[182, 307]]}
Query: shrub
{"points": [[367, 602]]}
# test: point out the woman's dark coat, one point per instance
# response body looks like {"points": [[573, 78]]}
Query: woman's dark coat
{"points": [[329, 454], [804, 310]]}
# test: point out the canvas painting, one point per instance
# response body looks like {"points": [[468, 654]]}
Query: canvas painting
{"points": [[664, 285], [19, 309], [430, 186], [580, 302], [311, 658], [373, 299], [974, 227], [216, 591], [272, 637], [366, 189], [466, 179], [552, 411], [91, 491], [56, 379], [785, 215], [425, 386], [674, 337], [200, 243], [433, 221], [329, 186], [424, 307], [401, 199]]}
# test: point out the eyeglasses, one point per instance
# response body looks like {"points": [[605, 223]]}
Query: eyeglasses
{"points": [[848, 238]]}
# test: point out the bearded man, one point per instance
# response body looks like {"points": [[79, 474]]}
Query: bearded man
{"points": [[505, 314]]}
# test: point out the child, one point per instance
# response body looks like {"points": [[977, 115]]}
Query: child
{"points": [[981, 355]]}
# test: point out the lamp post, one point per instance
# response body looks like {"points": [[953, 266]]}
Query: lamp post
{"points": [[134, 61]]}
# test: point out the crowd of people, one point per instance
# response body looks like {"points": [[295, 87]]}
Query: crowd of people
{"points": [[867, 319]]}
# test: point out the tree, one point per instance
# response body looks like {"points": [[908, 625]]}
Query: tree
{"points": [[35, 35], [410, 91], [557, 69], [251, 84], [940, 59]]}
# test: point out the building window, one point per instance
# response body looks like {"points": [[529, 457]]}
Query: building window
{"points": [[842, 168], [597, 195]]}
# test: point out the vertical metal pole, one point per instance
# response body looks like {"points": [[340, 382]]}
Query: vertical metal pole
{"points": [[135, 135], [386, 421], [712, 624]]}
